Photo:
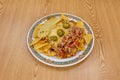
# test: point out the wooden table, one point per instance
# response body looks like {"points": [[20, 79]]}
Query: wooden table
{"points": [[17, 16]]}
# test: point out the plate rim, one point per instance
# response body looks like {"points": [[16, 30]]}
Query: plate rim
{"points": [[66, 65]]}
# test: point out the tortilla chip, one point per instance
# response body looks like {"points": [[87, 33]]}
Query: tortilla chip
{"points": [[46, 48], [88, 38], [51, 53], [82, 47], [35, 33], [80, 24], [48, 26], [39, 45], [35, 41], [40, 50], [64, 17]]}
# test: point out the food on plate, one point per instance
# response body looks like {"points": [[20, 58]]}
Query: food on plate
{"points": [[66, 25], [87, 38], [60, 37], [60, 32], [35, 33]]}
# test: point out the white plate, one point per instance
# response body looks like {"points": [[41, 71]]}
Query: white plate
{"points": [[54, 61]]}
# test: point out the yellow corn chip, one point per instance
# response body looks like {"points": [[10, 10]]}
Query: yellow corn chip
{"points": [[40, 50], [88, 38], [39, 45], [51, 53], [81, 41], [35, 41], [80, 24], [81, 47], [35, 33], [48, 26], [64, 17], [46, 48]]}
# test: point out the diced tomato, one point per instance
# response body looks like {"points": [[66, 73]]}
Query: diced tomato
{"points": [[70, 42]]}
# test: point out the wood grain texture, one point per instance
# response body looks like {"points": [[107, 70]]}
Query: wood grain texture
{"points": [[17, 16]]}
